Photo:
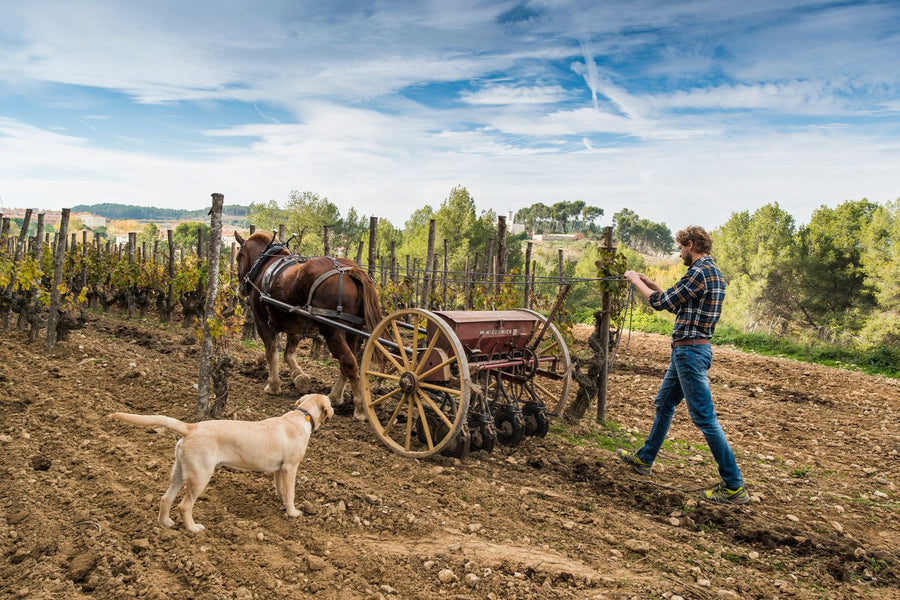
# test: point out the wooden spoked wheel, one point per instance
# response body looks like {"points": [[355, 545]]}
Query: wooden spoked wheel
{"points": [[416, 383], [556, 371]]}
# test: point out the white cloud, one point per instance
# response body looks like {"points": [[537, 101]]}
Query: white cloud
{"points": [[515, 94]]}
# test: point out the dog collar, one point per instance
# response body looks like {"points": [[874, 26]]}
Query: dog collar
{"points": [[309, 417]]}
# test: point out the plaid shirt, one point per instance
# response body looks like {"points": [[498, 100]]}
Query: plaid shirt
{"points": [[696, 301]]}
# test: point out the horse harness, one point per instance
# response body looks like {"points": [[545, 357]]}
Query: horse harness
{"points": [[271, 274]]}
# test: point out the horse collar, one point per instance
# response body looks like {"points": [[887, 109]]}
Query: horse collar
{"points": [[271, 250], [309, 417]]}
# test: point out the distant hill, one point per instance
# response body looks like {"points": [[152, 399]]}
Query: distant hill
{"points": [[150, 213]]}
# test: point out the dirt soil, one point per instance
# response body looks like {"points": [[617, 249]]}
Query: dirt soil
{"points": [[555, 517]]}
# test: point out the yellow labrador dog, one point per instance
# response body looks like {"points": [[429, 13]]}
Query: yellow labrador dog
{"points": [[272, 445]]}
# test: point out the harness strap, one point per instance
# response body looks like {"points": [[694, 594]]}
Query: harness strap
{"points": [[312, 310], [272, 249], [337, 270], [277, 267]]}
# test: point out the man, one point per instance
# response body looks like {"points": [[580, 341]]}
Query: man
{"points": [[696, 299]]}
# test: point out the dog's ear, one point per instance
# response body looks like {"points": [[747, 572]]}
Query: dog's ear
{"points": [[325, 408]]}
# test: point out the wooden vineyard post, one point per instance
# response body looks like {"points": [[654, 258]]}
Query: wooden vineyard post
{"points": [[429, 257], [392, 265], [489, 264], [326, 245], [527, 302], [444, 275], [562, 266], [373, 238], [129, 291], [84, 254], [470, 299], [170, 288], [34, 301], [467, 287], [502, 257], [594, 382], [59, 259], [209, 363], [432, 293], [603, 379]]}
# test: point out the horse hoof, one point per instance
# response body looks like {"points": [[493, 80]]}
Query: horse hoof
{"points": [[272, 390], [302, 383], [360, 416]]}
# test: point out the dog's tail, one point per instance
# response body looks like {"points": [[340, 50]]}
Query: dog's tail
{"points": [[175, 425]]}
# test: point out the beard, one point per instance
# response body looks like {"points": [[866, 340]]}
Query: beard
{"points": [[687, 260]]}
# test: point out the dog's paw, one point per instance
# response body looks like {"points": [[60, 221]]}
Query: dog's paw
{"points": [[293, 512], [197, 528], [167, 523]]}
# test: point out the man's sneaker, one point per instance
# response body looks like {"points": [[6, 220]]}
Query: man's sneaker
{"points": [[639, 466], [720, 493]]}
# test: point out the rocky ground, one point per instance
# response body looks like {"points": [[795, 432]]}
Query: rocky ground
{"points": [[555, 517]]}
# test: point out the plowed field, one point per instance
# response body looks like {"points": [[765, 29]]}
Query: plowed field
{"points": [[554, 517]]}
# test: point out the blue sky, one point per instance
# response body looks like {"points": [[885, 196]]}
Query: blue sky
{"points": [[683, 112]]}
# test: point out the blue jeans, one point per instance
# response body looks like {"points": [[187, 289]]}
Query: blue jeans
{"points": [[686, 379]]}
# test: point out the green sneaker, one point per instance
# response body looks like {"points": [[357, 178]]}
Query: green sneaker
{"points": [[639, 466], [720, 493]]}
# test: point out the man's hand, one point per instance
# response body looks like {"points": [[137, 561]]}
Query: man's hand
{"points": [[642, 283]]}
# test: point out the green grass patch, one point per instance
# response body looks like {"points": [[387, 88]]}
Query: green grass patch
{"points": [[609, 437], [801, 472], [880, 360], [734, 558]]}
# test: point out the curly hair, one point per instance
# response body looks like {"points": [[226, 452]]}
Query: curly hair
{"points": [[702, 240]]}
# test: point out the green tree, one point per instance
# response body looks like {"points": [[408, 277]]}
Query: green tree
{"points": [[308, 213], [388, 233], [304, 217], [456, 222], [350, 231], [589, 216], [148, 234], [831, 277], [756, 253], [881, 257], [642, 235], [267, 216], [415, 234], [185, 235]]}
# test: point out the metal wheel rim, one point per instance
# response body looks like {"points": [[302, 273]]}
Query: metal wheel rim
{"points": [[565, 360]]}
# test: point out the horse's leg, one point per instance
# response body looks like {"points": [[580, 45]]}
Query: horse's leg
{"points": [[336, 395], [301, 380], [270, 341], [337, 344]]}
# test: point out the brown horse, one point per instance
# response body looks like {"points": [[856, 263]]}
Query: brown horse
{"points": [[336, 289]]}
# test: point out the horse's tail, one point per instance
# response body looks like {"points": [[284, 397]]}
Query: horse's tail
{"points": [[372, 304]]}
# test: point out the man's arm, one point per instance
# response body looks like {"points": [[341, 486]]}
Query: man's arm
{"points": [[642, 283]]}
